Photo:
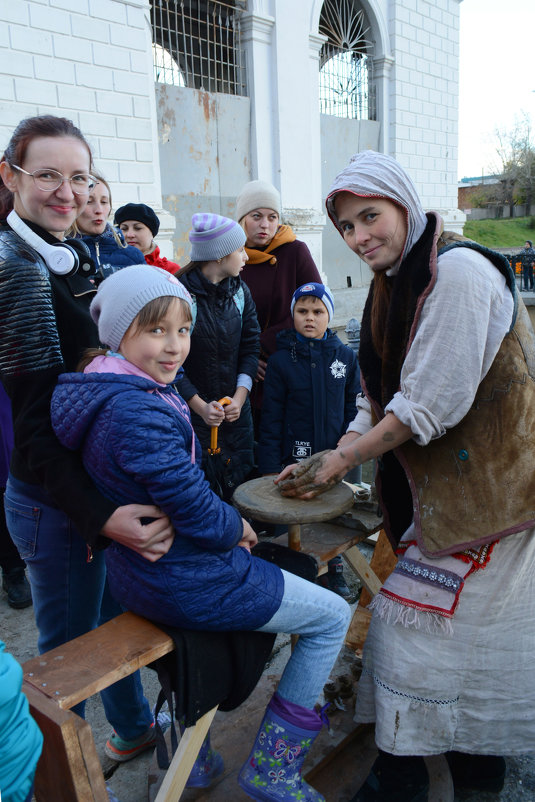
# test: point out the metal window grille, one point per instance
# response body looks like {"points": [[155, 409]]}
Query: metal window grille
{"points": [[346, 68], [197, 43]]}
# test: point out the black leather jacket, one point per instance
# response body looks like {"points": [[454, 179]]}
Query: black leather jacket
{"points": [[45, 326]]}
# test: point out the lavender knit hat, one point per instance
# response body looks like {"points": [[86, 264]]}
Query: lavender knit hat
{"points": [[123, 294], [213, 237]]}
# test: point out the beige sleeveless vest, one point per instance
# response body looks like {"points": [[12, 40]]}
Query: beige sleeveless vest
{"points": [[477, 482]]}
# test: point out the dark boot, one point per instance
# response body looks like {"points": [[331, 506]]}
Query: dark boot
{"points": [[273, 768], [16, 586], [476, 772], [395, 779], [334, 579]]}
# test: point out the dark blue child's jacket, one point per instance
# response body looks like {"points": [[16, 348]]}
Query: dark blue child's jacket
{"points": [[137, 443], [107, 255], [310, 393]]}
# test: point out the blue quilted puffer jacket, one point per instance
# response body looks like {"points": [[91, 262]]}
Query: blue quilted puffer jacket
{"points": [[108, 256], [137, 443]]}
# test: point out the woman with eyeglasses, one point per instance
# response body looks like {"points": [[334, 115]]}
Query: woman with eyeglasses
{"points": [[57, 517]]}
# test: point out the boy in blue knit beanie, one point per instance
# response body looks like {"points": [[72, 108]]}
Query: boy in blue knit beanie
{"points": [[310, 390]]}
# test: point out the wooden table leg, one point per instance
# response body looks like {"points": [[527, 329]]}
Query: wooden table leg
{"points": [[294, 536], [179, 770], [294, 542]]}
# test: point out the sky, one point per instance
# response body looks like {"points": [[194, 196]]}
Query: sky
{"points": [[496, 77]]}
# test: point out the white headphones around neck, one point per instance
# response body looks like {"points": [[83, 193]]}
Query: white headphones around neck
{"points": [[61, 259]]}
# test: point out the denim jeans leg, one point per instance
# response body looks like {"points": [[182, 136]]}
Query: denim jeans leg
{"points": [[320, 618], [124, 702], [67, 590]]}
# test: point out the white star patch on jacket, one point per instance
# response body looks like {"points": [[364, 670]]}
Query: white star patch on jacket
{"points": [[338, 369]]}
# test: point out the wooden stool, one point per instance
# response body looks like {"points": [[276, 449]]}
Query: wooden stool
{"points": [[69, 769]]}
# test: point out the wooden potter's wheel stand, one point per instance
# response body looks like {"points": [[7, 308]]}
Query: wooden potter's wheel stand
{"points": [[261, 499]]}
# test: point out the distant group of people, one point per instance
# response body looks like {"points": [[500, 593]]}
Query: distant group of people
{"points": [[117, 379], [526, 257]]}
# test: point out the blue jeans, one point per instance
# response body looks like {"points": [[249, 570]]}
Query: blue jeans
{"points": [[320, 618], [70, 595]]}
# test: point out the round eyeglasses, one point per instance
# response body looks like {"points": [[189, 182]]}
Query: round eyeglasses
{"points": [[50, 180]]}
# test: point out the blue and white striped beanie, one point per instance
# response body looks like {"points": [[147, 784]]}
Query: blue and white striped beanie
{"points": [[320, 291], [213, 237]]}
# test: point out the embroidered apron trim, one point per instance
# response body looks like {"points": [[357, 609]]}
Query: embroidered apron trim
{"points": [[422, 592], [422, 699]]}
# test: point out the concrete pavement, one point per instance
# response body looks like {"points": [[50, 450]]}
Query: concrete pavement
{"points": [[129, 781]]}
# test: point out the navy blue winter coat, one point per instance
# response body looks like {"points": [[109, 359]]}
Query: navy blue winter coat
{"points": [[137, 440], [108, 256], [224, 343], [310, 392]]}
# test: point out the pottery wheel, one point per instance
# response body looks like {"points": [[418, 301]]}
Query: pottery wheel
{"points": [[261, 499]]}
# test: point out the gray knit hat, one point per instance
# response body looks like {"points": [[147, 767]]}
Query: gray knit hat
{"points": [[123, 294], [257, 195], [213, 237]]}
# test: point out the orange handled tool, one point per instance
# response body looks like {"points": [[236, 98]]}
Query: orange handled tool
{"points": [[213, 430]]}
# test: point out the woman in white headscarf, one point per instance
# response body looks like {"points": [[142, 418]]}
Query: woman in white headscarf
{"points": [[447, 362]]}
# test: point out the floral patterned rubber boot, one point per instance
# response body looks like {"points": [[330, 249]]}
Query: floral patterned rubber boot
{"points": [[208, 766], [208, 763], [273, 768]]}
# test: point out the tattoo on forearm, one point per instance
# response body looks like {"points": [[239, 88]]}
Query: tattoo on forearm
{"points": [[388, 437], [358, 456]]}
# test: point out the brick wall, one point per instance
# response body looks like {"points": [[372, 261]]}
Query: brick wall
{"points": [[424, 95], [88, 60]]}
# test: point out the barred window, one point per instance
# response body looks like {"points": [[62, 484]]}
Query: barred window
{"points": [[166, 70], [197, 43], [346, 67]]}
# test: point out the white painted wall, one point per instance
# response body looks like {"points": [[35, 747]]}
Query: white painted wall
{"points": [[423, 98], [282, 64], [90, 60]]}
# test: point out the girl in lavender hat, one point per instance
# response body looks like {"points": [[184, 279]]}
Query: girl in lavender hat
{"points": [[225, 344]]}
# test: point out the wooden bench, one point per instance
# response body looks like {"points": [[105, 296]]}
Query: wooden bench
{"points": [[69, 769]]}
